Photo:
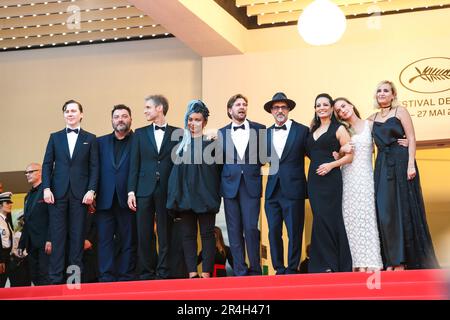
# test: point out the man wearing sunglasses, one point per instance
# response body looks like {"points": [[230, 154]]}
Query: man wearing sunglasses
{"points": [[35, 236]]}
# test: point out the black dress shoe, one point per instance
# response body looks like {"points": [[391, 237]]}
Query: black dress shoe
{"points": [[147, 277]]}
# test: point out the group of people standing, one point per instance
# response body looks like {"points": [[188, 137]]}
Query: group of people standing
{"points": [[154, 187]]}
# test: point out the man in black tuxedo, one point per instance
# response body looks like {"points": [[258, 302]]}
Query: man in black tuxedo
{"points": [[35, 236], [114, 218], [241, 185], [150, 167], [69, 179], [286, 184]]}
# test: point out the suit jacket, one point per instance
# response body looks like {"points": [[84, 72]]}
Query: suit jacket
{"points": [[291, 168], [35, 230], [113, 177], [249, 167], [147, 166], [80, 172]]}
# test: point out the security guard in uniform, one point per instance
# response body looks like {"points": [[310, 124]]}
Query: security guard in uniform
{"points": [[6, 231], [11, 265]]}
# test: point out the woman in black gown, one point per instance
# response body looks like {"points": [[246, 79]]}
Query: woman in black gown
{"points": [[405, 238], [194, 189], [330, 251]]}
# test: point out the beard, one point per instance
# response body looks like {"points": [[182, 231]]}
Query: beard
{"points": [[121, 127]]}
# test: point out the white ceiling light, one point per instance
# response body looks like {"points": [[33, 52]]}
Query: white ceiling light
{"points": [[322, 23]]}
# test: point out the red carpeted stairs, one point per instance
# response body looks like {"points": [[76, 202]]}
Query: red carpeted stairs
{"points": [[414, 284]]}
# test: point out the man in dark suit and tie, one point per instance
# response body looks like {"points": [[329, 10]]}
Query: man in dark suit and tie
{"points": [[241, 185], [286, 185], [114, 218], [150, 167], [35, 236], [69, 179]]}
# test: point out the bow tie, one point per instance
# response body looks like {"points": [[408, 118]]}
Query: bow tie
{"points": [[68, 130], [160, 128], [283, 127], [242, 126]]}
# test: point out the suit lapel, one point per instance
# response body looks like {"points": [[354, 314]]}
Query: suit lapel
{"points": [[250, 126], [80, 140], [167, 134], [111, 150], [236, 157], [62, 136], [290, 141], [151, 136], [269, 141], [30, 206], [125, 151]]}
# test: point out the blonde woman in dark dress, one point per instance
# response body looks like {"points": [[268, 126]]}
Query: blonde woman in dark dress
{"points": [[405, 238]]}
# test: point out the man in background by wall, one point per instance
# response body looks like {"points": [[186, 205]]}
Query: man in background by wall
{"points": [[35, 233]]}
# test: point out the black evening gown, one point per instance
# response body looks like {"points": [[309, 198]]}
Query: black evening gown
{"points": [[329, 244], [405, 238]]}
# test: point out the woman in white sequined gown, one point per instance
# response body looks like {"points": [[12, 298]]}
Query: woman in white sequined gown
{"points": [[358, 198]]}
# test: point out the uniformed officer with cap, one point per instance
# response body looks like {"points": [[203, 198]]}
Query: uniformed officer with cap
{"points": [[11, 265], [6, 231]]}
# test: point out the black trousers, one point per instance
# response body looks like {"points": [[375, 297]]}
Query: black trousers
{"points": [[152, 263], [38, 263], [18, 273], [67, 219], [206, 221]]}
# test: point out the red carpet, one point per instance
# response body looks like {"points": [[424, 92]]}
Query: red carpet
{"points": [[415, 284]]}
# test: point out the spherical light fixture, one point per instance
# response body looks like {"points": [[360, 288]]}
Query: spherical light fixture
{"points": [[322, 23]]}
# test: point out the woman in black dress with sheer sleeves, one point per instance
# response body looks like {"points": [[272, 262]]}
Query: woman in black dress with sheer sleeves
{"points": [[330, 251]]}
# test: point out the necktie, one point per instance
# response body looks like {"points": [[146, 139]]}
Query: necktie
{"points": [[68, 130], [160, 128], [283, 127], [242, 126]]}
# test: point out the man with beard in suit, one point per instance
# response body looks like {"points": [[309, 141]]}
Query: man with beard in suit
{"points": [[114, 217], [286, 184]]}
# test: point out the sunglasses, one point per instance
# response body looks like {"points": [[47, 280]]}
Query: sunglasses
{"points": [[30, 171]]}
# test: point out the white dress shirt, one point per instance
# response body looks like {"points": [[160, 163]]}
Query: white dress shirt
{"points": [[240, 138], [159, 135], [72, 140], [5, 232], [279, 138]]}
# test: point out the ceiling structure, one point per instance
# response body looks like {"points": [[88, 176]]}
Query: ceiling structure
{"points": [[270, 12], [31, 24]]}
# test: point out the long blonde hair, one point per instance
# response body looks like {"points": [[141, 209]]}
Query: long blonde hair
{"points": [[346, 124], [394, 102]]}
